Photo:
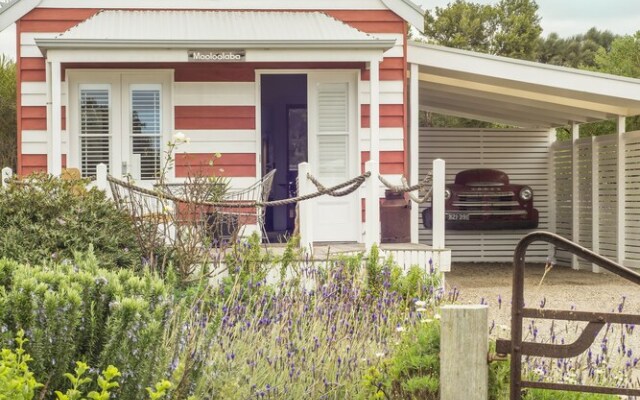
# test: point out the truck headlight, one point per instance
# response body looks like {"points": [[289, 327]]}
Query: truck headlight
{"points": [[447, 194], [526, 193]]}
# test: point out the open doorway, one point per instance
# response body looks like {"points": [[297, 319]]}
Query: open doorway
{"points": [[284, 144]]}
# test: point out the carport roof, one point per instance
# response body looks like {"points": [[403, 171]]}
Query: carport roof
{"points": [[515, 92]]}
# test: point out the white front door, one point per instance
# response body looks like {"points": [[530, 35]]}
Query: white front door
{"points": [[120, 119], [333, 152]]}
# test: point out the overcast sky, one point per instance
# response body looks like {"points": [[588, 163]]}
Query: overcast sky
{"points": [[570, 17], [566, 17]]}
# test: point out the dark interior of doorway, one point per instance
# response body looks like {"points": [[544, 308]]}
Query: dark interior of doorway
{"points": [[284, 144]]}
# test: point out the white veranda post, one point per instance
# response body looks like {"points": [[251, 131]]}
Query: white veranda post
{"points": [[414, 153], [372, 230], [54, 164], [438, 204]]}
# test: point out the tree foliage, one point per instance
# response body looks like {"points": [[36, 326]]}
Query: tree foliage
{"points": [[623, 58], [510, 28], [462, 25], [8, 132], [578, 51], [518, 29]]}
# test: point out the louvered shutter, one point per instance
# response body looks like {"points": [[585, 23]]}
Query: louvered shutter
{"points": [[333, 130], [95, 130], [146, 128]]}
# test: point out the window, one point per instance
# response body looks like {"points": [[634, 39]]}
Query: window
{"points": [[95, 130], [146, 128]]}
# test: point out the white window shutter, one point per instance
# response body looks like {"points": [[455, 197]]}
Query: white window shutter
{"points": [[333, 129], [95, 132], [146, 130]]}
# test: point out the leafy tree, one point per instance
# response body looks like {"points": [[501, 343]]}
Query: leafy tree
{"points": [[518, 29], [623, 58], [510, 28], [578, 51], [462, 25], [8, 136]]}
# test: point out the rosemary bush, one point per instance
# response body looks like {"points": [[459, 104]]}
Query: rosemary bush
{"points": [[43, 218], [75, 311]]}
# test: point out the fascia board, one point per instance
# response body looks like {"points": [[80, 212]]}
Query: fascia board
{"points": [[408, 10], [15, 11]]}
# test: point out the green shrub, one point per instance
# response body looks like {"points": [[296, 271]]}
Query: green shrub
{"points": [[16, 380], [77, 311], [413, 372], [44, 218]]}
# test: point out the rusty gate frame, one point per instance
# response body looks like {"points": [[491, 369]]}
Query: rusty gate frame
{"points": [[596, 320]]}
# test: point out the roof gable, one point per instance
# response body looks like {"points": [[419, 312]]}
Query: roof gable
{"points": [[406, 9], [224, 29]]}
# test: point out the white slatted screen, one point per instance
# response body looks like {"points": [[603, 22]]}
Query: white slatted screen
{"points": [[585, 201], [632, 217], [563, 182], [598, 181], [523, 155], [95, 132], [607, 149], [146, 128], [333, 130]]}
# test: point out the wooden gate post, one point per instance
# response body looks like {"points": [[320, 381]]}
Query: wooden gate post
{"points": [[464, 346]]}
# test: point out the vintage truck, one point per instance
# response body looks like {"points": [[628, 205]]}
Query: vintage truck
{"points": [[483, 199]]}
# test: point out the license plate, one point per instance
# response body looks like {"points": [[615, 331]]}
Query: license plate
{"points": [[457, 217]]}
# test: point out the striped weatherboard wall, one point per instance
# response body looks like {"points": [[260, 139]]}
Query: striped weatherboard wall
{"points": [[522, 154], [215, 105]]}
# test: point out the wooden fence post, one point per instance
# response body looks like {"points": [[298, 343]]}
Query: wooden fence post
{"points": [[7, 173], [464, 348], [305, 208]]}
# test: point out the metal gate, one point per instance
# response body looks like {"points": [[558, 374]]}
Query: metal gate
{"points": [[517, 348]]}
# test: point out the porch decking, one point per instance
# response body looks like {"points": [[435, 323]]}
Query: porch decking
{"points": [[404, 254]]}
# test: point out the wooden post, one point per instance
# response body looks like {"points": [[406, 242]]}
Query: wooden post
{"points": [[305, 208], [622, 189], [101, 177], [414, 150], [7, 173], [553, 190], [464, 347], [55, 166], [372, 224], [575, 192], [438, 204], [595, 200]]}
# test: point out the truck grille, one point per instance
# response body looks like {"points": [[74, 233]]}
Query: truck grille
{"points": [[487, 203]]}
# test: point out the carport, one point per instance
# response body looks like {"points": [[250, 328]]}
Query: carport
{"points": [[587, 190]]}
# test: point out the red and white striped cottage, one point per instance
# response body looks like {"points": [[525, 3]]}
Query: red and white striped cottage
{"points": [[268, 84], [104, 81]]}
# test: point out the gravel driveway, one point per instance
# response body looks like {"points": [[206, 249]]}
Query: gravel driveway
{"points": [[562, 288]]}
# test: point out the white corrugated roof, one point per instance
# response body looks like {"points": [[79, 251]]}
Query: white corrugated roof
{"points": [[248, 28], [516, 92]]}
